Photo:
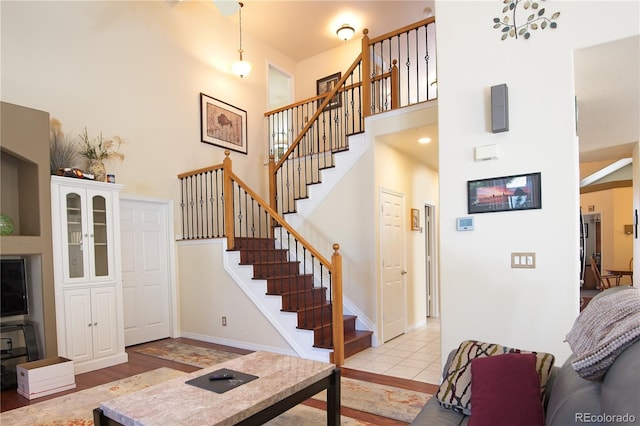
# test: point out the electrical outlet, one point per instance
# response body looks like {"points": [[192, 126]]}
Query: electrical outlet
{"points": [[224, 321]]}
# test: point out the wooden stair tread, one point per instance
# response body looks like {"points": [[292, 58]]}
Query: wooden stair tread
{"points": [[349, 338]]}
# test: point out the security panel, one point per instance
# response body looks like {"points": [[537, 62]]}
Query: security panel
{"points": [[464, 224]]}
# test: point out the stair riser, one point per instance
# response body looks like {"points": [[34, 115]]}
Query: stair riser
{"points": [[242, 243], [356, 346], [314, 318], [275, 270], [257, 256], [288, 284], [325, 333], [295, 301]]}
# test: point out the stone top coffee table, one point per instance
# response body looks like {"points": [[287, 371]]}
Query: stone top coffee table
{"points": [[282, 382]]}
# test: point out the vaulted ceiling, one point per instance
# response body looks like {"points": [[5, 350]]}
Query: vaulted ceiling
{"points": [[606, 76]]}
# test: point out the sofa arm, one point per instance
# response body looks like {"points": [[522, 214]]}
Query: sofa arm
{"points": [[570, 396]]}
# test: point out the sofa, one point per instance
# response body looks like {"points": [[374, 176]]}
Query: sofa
{"points": [[599, 384]]}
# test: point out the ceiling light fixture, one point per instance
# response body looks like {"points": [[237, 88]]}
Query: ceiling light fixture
{"points": [[345, 32], [241, 67], [424, 140]]}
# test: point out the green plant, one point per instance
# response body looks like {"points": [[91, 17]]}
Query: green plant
{"points": [[100, 148], [63, 152], [535, 20]]}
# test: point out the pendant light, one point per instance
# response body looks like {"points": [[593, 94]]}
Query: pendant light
{"points": [[241, 67]]}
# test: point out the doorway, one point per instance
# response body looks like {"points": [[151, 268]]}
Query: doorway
{"points": [[392, 258], [592, 247], [430, 261], [146, 265]]}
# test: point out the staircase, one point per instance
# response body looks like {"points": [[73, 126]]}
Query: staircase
{"points": [[299, 293]]}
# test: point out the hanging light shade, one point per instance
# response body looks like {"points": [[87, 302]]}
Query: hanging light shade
{"points": [[345, 32], [241, 67]]}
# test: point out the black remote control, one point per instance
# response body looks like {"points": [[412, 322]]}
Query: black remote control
{"points": [[224, 376]]}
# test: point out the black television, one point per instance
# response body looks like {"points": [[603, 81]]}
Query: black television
{"points": [[13, 287]]}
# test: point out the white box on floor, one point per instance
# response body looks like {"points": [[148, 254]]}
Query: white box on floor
{"points": [[44, 377]]}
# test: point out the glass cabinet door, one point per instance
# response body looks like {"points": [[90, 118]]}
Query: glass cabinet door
{"points": [[75, 236], [99, 240]]}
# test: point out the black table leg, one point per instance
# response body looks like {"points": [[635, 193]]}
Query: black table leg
{"points": [[333, 399]]}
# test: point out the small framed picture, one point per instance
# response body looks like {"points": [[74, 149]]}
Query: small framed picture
{"points": [[415, 219], [507, 193], [222, 124], [326, 85]]}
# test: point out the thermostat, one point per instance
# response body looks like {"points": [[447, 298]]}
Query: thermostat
{"points": [[464, 224]]}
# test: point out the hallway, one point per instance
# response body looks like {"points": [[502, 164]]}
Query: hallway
{"points": [[414, 355]]}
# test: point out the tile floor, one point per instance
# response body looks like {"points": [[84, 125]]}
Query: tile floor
{"points": [[414, 355]]}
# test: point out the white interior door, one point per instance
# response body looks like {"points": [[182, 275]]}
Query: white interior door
{"points": [[145, 270], [393, 263]]}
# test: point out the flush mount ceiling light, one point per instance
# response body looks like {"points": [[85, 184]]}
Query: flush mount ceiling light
{"points": [[241, 67], [424, 140], [345, 32]]}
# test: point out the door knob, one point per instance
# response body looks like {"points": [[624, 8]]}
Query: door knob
{"points": [[403, 273]]}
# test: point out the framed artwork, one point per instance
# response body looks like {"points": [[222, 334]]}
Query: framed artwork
{"points": [[327, 84], [415, 219], [507, 193], [222, 124]]}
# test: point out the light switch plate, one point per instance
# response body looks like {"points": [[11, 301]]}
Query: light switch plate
{"points": [[523, 260]]}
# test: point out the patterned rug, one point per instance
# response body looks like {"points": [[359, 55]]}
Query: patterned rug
{"points": [[187, 354], [76, 409], [386, 401]]}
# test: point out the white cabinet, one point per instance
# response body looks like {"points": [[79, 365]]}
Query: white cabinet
{"points": [[90, 314], [87, 272]]}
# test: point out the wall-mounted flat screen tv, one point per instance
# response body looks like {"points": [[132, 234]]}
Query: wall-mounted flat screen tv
{"points": [[13, 287]]}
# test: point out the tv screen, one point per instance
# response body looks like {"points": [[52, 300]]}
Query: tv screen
{"points": [[13, 287]]}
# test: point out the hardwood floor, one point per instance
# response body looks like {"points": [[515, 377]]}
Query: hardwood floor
{"points": [[140, 363]]}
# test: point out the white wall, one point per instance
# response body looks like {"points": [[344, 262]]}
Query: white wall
{"points": [[327, 63], [207, 293], [136, 69], [482, 297]]}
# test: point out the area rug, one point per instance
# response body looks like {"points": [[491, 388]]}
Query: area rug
{"points": [[76, 409], [382, 400], [187, 354]]}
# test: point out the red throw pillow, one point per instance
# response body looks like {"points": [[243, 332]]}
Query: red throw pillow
{"points": [[505, 391]]}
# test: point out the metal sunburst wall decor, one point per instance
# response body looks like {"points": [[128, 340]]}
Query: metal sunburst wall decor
{"points": [[535, 19]]}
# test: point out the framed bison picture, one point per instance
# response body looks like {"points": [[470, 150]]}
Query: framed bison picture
{"points": [[222, 124]]}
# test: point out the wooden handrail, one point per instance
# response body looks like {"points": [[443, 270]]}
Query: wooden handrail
{"points": [[313, 118], [276, 217], [309, 100], [402, 30], [200, 171]]}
